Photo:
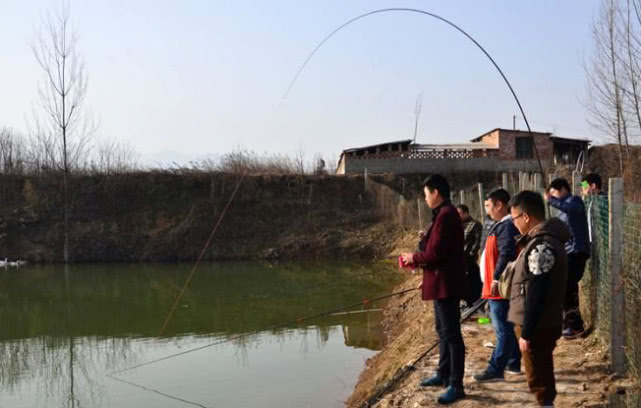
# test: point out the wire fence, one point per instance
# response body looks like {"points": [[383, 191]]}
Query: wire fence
{"points": [[597, 288], [632, 278]]}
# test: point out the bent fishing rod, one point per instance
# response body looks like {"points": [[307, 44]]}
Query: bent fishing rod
{"points": [[306, 62], [442, 19], [330, 35]]}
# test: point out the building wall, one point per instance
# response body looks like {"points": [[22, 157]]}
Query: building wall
{"points": [[341, 165], [405, 166], [507, 145], [491, 138]]}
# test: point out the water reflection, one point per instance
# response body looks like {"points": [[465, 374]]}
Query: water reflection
{"points": [[63, 329]]}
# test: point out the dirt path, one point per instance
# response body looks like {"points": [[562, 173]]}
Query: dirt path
{"points": [[581, 366], [581, 373]]}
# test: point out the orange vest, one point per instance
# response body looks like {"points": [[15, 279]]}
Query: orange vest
{"points": [[491, 257]]}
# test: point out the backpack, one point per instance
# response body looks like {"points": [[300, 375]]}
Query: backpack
{"points": [[505, 281]]}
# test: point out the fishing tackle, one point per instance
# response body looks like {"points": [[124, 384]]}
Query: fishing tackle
{"points": [[436, 16]]}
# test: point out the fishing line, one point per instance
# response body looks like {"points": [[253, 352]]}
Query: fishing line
{"points": [[402, 373], [305, 289], [202, 253], [155, 391], [448, 22], [299, 320], [272, 327]]}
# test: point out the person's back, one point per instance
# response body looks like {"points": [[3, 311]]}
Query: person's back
{"points": [[473, 231], [572, 212], [577, 247]]}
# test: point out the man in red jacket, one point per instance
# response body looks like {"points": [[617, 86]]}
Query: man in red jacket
{"points": [[443, 263]]}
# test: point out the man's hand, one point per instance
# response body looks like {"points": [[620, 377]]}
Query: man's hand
{"points": [[421, 234], [546, 195], [524, 345], [494, 290], [408, 258]]}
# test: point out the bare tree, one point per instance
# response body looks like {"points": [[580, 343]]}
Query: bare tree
{"points": [[64, 128], [13, 154], [111, 156], [299, 159], [605, 101]]}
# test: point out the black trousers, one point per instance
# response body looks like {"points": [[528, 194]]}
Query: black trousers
{"points": [[473, 284], [451, 364], [571, 312]]}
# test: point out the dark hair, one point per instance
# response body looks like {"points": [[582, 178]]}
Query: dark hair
{"points": [[499, 195], [463, 208], [438, 182], [529, 202], [593, 178], [560, 183]]}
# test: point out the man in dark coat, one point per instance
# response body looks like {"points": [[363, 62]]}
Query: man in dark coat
{"points": [[443, 263], [572, 212], [472, 231]]}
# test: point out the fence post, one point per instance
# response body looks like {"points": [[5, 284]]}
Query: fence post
{"points": [[461, 195], [481, 201], [537, 182], [615, 260], [365, 178], [505, 180], [576, 183]]}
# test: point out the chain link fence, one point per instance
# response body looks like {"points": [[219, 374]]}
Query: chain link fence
{"points": [[632, 279], [597, 288]]}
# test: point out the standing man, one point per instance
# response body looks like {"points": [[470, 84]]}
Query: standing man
{"points": [[597, 202], [443, 263], [591, 184], [538, 287], [472, 231], [578, 250], [500, 248]]}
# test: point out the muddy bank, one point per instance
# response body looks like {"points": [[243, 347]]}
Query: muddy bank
{"points": [[168, 217]]}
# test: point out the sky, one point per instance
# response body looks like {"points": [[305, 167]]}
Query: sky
{"points": [[181, 80]]}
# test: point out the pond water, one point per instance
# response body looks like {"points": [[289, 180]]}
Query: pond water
{"points": [[68, 336]]}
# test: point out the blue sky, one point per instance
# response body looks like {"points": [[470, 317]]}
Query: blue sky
{"points": [[195, 77]]}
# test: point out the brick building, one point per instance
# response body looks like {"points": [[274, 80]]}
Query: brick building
{"points": [[496, 150]]}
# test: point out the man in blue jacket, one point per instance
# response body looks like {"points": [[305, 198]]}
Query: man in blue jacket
{"points": [[572, 212]]}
